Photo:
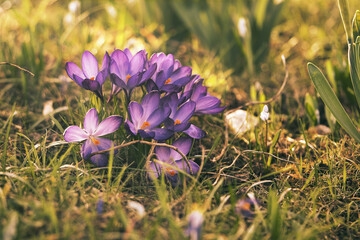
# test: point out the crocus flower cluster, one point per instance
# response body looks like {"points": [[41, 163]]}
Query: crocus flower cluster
{"points": [[172, 95]]}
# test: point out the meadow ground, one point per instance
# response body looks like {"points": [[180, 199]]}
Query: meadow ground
{"points": [[304, 176]]}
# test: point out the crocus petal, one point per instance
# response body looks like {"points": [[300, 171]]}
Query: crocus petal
{"points": [[122, 62], [148, 73], [177, 64], [154, 170], [181, 127], [170, 88], [114, 68], [162, 134], [185, 112], [146, 134], [181, 73], [91, 85], [100, 160], [128, 53], [106, 62], [150, 102], [89, 65], [137, 63], [207, 102], [91, 121], [74, 134], [130, 128], [161, 78], [211, 111], [72, 68], [89, 147], [198, 90], [101, 77], [86, 149], [163, 154], [151, 85], [157, 117], [134, 81], [195, 132], [181, 82], [117, 81], [78, 80], [181, 164], [135, 112], [108, 125], [167, 64], [184, 145], [172, 101]]}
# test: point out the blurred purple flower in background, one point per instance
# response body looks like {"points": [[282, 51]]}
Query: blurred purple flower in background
{"points": [[243, 207], [172, 158], [91, 133], [100, 206], [195, 221], [89, 76], [145, 118]]}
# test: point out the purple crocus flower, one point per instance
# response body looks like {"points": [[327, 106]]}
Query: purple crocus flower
{"points": [[195, 221], [128, 71], [205, 103], [172, 158], [178, 120], [89, 76], [91, 133], [243, 207], [147, 116], [170, 76]]}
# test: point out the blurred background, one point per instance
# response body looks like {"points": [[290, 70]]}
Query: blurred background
{"points": [[235, 45]]}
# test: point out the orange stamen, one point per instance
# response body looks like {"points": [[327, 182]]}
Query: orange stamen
{"points": [[177, 121], [127, 77], [144, 125], [92, 78], [170, 171], [246, 206], [168, 81], [94, 140]]}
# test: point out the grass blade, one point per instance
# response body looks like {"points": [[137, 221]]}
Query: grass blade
{"points": [[344, 12], [3, 157], [354, 71], [332, 102]]}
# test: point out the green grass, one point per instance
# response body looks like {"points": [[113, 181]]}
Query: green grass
{"points": [[308, 189]]}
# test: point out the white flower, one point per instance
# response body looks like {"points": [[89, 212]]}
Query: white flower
{"points": [[68, 19], [242, 27], [74, 7], [111, 11], [264, 115]]}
